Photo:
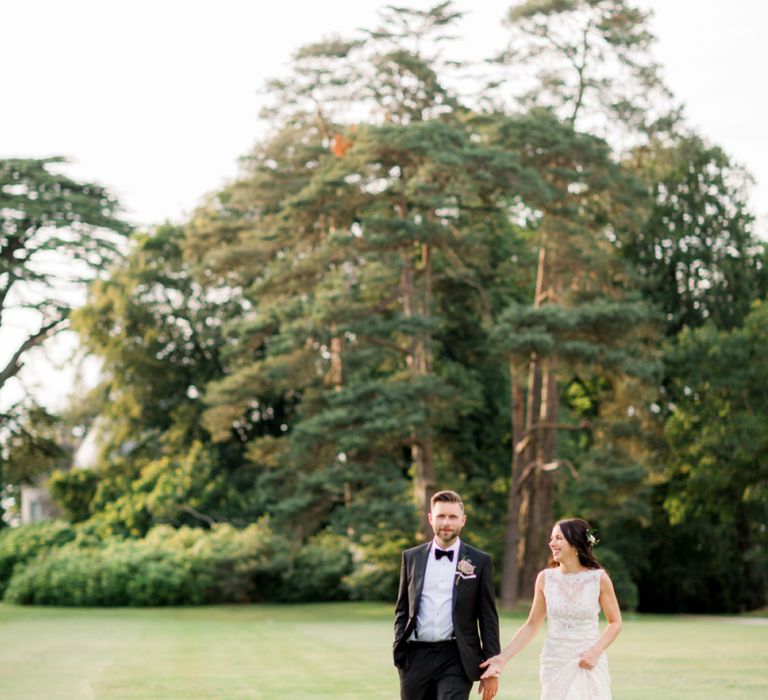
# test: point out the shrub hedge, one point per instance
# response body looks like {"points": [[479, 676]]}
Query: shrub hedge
{"points": [[57, 564], [19, 545]]}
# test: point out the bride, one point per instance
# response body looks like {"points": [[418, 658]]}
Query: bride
{"points": [[570, 595]]}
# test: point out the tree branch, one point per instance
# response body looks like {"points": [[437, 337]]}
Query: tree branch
{"points": [[14, 364], [550, 466], [197, 514], [580, 71], [385, 344], [525, 439]]}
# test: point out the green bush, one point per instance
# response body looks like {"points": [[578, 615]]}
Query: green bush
{"points": [[73, 492], [318, 569], [238, 565], [19, 545], [626, 590], [168, 567], [190, 566], [376, 570]]}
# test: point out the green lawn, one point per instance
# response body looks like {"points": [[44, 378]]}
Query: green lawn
{"points": [[332, 651]]}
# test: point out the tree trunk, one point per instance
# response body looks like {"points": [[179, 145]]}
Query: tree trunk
{"points": [[510, 571], [424, 482], [530, 457], [422, 365], [542, 492], [531, 498], [419, 362], [335, 374]]}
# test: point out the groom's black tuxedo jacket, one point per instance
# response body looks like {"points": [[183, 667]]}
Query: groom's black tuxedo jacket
{"points": [[475, 620]]}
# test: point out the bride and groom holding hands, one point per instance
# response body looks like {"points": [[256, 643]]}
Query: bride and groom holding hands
{"points": [[447, 626]]}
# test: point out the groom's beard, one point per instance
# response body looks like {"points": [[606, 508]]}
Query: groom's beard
{"points": [[447, 535]]}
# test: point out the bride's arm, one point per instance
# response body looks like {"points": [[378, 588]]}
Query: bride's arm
{"points": [[527, 631], [612, 613]]}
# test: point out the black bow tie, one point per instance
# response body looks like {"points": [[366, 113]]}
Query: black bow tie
{"points": [[443, 553]]}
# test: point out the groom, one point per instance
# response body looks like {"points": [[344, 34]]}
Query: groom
{"points": [[445, 618]]}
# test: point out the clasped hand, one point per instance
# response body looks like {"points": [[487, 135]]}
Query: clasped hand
{"points": [[488, 687], [493, 666], [589, 659]]}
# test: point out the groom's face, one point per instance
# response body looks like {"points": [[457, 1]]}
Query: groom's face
{"points": [[447, 519]]}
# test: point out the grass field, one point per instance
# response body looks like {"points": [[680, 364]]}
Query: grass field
{"points": [[332, 651]]}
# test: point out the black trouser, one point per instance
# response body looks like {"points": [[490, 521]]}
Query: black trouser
{"points": [[434, 672]]}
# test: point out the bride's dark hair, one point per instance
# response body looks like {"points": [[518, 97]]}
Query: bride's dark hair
{"points": [[576, 532]]}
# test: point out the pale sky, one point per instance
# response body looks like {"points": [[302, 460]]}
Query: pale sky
{"points": [[157, 99]]}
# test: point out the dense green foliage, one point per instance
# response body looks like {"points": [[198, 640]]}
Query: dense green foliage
{"points": [[59, 564], [20, 545], [715, 491], [404, 290]]}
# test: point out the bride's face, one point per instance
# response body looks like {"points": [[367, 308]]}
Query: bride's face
{"points": [[559, 546]]}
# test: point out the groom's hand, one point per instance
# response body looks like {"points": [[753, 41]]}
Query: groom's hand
{"points": [[488, 687], [493, 667]]}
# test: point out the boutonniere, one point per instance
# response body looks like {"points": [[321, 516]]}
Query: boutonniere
{"points": [[465, 569]]}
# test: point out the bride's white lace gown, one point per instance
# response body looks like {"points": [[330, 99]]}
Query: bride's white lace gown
{"points": [[573, 609]]}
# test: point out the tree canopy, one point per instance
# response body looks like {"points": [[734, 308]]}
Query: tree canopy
{"points": [[408, 289]]}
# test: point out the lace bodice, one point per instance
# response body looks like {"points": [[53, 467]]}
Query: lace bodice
{"points": [[573, 604], [573, 610]]}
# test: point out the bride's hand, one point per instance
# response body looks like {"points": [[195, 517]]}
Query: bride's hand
{"points": [[493, 665], [589, 659]]}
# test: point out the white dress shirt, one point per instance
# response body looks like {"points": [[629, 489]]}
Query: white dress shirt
{"points": [[434, 622]]}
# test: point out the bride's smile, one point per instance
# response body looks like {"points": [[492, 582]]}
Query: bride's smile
{"points": [[559, 546]]}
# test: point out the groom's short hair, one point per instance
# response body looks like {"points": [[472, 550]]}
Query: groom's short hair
{"points": [[447, 497]]}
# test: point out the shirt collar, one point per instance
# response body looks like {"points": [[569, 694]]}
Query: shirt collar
{"points": [[453, 548]]}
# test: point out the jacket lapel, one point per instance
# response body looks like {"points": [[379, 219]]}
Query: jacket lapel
{"points": [[420, 569], [456, 583]]}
